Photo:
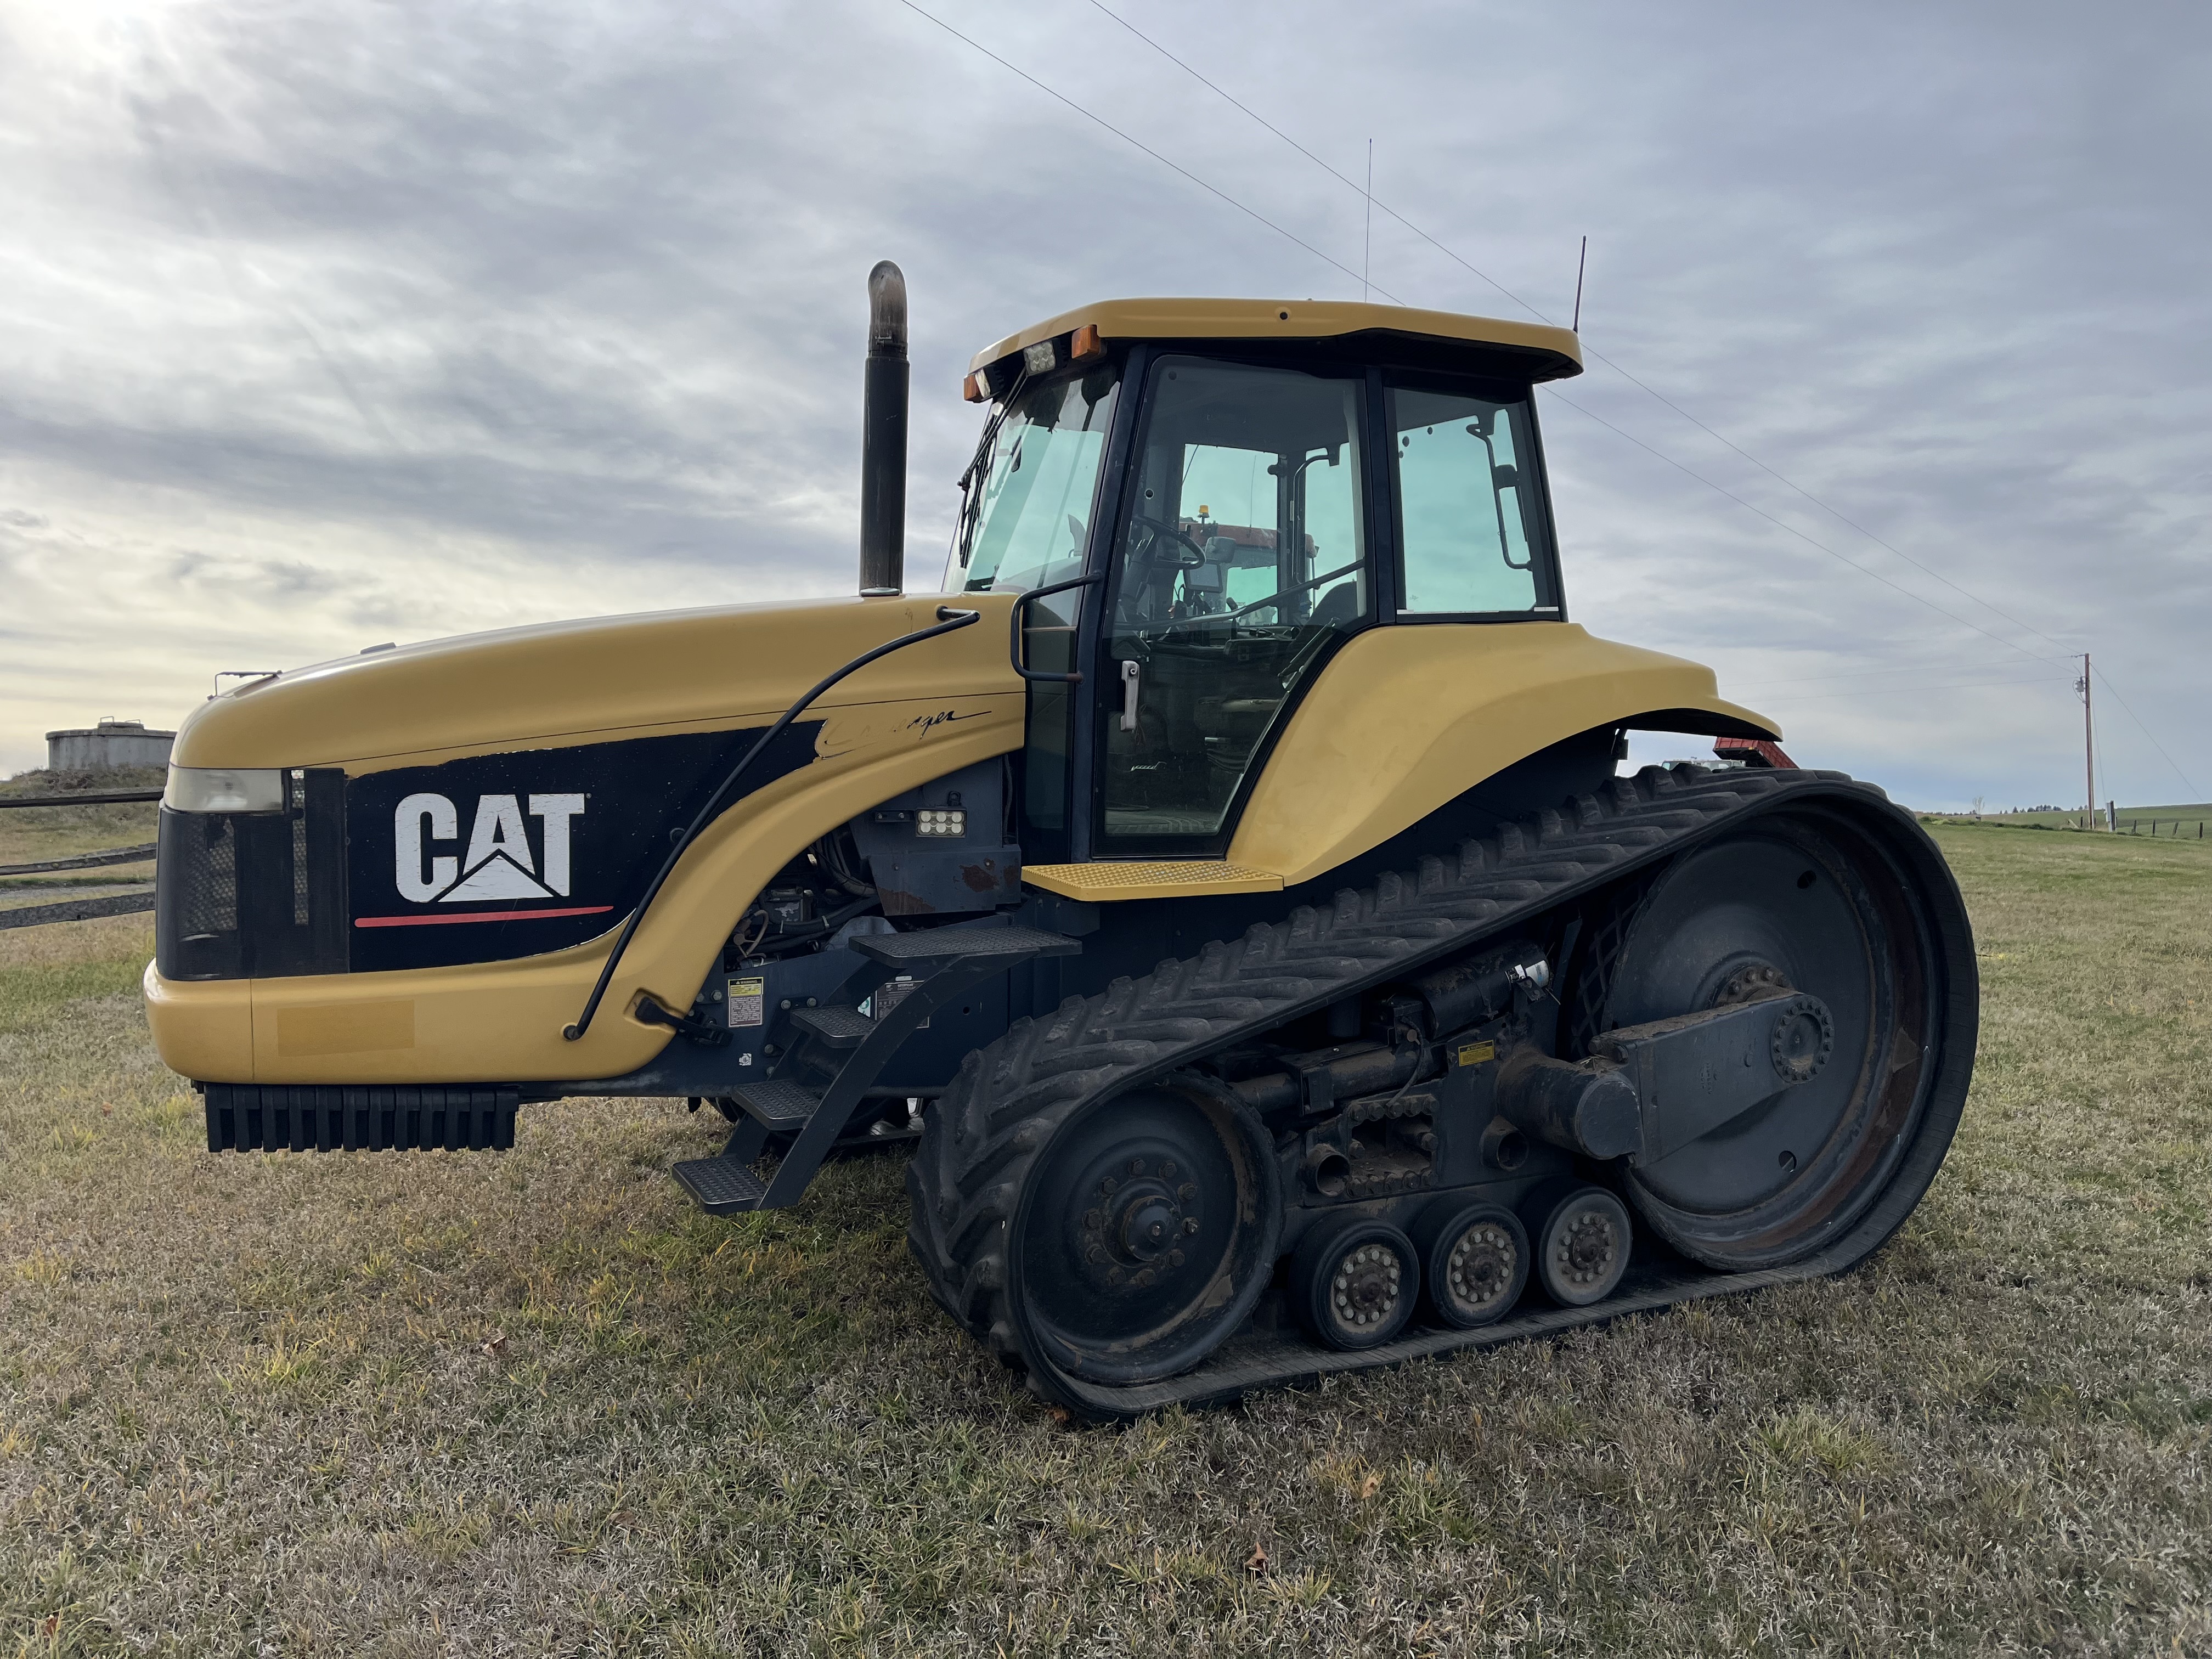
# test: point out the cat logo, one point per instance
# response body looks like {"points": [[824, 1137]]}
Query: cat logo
{"points": [[498, 864]]}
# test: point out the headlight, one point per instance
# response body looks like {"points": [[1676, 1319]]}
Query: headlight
{"points": [[223, 789]]}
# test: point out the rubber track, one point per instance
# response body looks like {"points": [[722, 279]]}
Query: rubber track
{"points": [[977, 1145]]}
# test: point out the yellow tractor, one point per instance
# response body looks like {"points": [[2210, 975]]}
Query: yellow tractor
{"points": [[1227, 886]]}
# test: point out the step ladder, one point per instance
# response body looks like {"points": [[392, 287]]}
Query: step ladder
{"points": [[823, 1079]]}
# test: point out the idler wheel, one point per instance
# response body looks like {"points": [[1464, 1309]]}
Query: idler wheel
{"points": [[1147, 1232], [1355, 1281], [1476, 1261], [1582, 1247]]}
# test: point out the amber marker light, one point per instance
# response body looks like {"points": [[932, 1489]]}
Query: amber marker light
{"points": [[1085, 344], [973, 390]]}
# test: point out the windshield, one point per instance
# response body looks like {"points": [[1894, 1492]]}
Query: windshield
{"points": [[1027, 528]]}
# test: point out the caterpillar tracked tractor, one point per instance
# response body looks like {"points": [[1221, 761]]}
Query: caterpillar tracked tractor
{"points": [[1228, 885]]}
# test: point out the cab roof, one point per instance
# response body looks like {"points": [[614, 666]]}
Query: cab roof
{"points": [[1544, 352]]}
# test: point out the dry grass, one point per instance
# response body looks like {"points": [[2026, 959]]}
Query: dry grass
{"points": [[28, 834], [535, 1404]]}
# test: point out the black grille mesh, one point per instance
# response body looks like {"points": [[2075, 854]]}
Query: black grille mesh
{"points": [[249, 895]]}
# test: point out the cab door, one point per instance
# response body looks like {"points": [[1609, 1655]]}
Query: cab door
{"points": [[1240, 560]]}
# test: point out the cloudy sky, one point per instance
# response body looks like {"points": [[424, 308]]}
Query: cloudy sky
{"points": [[323, 325]]}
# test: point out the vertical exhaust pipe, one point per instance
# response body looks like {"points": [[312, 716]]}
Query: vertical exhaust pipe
{"points": [[883, 436]]}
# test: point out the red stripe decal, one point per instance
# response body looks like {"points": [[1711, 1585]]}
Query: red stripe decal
{"points": [[475, 915]]}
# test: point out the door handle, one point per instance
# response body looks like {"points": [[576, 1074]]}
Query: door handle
{"points": [[1130, 673]]}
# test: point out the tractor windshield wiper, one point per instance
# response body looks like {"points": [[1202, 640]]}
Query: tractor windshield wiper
{"points": [[979, 465]]}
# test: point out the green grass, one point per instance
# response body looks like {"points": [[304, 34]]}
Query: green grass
{"points": [[424, 1404], [2170, 822]]}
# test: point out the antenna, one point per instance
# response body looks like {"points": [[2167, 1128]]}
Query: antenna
{"points": [[1367, 237], [1576, 325]]}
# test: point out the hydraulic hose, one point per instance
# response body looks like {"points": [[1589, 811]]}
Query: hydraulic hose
{"points": [[949, 621]]}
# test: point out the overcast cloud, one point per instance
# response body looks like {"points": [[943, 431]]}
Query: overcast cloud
{"points": [[323, 325]]}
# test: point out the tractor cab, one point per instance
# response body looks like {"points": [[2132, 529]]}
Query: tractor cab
{"points": [[1202, 501]]}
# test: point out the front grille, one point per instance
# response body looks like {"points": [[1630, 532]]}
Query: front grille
{"points": [[245, 1117], [196, 897], [255, 896]]}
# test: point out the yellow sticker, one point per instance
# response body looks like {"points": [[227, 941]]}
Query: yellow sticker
{"points": [[1474, 1054]]}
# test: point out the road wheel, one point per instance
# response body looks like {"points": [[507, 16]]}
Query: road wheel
{"points": [[1354, 1281], [1474, 1261], [1581, 1246]]}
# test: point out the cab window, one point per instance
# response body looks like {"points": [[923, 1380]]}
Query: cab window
{"points": [[1473, 538]]}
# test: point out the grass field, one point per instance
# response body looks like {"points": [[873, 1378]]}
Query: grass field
{"points": [[31, 835], [2191, 821], [536, 1404]]}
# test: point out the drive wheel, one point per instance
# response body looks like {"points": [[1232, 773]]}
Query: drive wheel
{"points": [[1145, 1231], [1803, 903]]}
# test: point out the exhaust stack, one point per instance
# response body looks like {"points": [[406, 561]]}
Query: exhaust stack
{"points": [[883, 436]]}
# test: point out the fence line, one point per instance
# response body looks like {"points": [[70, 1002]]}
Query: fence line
{"points": [[84, 909]]}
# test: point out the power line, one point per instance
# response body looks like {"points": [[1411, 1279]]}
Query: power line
{"points": [[1540, 316], [1367, 192], [1213, 190], [1889, 672], [1139, 143], [2145, 730], [1917, 690], [1780, 524]]}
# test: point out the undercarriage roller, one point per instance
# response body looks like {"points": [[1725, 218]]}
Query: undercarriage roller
{"points": [[1355, 1281], [1474, 1260], [1581, 1241]]}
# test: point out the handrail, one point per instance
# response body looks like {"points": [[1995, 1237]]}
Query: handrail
{"points": [[1014, 641], [949, 621]]}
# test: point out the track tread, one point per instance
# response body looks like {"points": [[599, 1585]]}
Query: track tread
{"points": [[976, 1146]]}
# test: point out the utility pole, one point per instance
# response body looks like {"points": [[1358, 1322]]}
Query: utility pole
{"points": [[2088, 749]]}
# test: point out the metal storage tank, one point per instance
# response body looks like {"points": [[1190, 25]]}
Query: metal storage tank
{"points": [[109, 744]]}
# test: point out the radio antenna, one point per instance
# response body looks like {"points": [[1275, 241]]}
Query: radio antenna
{"points": [[1367, 236], [1579, 263]]}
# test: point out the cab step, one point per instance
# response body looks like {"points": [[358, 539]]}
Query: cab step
{"points": [[721, 1186], [930, 968], [834, 1028], [778, 1105]]}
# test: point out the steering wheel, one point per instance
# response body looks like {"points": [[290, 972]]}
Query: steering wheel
{"points": [[1190, 557]]}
